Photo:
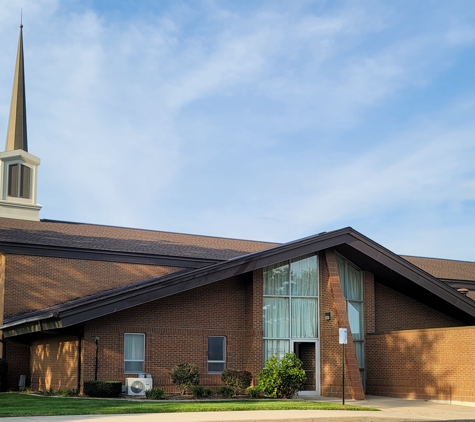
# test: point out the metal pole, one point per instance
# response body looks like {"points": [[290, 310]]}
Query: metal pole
{"points": [[343, 375]]}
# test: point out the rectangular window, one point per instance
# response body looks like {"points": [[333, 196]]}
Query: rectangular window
{"points": [[13, 180], [19, 181], [25, 182], [134, 353], [216, 354]]}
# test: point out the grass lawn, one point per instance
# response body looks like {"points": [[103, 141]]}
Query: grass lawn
{"points": [[15, 404]]}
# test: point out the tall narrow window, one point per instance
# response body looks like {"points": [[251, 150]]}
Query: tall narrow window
{"points": [[134, 353], [13, 170], [351, 279], [216, 354], [19, 181]]}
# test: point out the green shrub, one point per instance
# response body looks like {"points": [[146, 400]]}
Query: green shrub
{"points": [[102, 388], [282, 377], [254, 392], [198, 391], [185, 376], [3, 367], [156, 393], [237, 380], [226, 391]]}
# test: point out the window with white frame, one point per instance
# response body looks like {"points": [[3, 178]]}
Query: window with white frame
{"points": [[216, 354], [134, 353], [290, 304]]}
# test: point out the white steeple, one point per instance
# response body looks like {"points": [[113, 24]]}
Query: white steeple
{"points": [[18, 168]]}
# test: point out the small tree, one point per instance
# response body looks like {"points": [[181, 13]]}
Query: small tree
{"points": [[282, 377], [237, 380], [185, 376]]}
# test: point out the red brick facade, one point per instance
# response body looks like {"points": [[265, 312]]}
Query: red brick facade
{"points": [[54, 363], [432, 364], [58, 280], [333, 301], [176, 330], [395, 311], [177, 327]]}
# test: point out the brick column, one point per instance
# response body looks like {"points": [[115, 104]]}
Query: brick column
{"points": [[352, 368], [255, 355]]}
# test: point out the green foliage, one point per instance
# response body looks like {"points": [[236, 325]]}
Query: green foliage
{"points": [[156, 393], [102, 388], [254, 392], [47, 392], [237, 380], [282, 377], [3, 366], [226, 391], [68, 392], [198, 391], [185, 376]]}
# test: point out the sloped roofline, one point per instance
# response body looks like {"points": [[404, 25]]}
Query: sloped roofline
{"points": [[347, 240]]}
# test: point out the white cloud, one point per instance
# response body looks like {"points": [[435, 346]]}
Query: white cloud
{"points": [[262, 123], [460, 34]]}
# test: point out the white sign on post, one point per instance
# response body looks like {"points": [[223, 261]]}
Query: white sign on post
{"points": [[343, 335]]}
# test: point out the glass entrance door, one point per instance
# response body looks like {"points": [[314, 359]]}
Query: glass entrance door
{"points": [[307, 352]]}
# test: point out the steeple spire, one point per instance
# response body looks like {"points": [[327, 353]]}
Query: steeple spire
{"points": [[16, 134], [18, 168]]}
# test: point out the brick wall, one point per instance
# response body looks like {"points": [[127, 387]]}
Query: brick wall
{"points": [[50, 281], [332, 300], [435, 364], [177, 329], [53, 363], [254, 320], [395, 311]]}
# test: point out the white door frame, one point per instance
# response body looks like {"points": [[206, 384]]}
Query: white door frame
{"points": [[317, 364]]}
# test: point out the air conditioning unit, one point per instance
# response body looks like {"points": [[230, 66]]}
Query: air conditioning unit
{"points": [[138, 386]]}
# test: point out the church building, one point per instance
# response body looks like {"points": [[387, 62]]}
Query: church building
{"points": [[83, 302]]}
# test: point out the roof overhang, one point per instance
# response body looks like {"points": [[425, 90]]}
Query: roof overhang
{"points": [[389, 269]]}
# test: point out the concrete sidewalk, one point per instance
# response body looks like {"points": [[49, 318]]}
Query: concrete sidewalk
{"points": [[392, 410]]}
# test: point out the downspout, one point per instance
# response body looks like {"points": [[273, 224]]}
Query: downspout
{"points": [[80, 337], [4, 348], [97, 359], [4, 356]]}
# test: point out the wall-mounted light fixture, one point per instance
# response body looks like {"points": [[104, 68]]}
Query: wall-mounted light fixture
{"points": [[328, 316]]}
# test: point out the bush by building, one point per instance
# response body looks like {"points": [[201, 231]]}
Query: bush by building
{"points": [[185, 376], [282, 378], [102, 388]]}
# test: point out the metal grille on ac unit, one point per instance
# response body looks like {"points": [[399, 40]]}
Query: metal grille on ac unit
{"points": [[138, 386]]}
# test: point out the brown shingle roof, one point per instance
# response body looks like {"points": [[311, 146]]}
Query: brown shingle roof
{"points": [[109, 238], [444, 268], [396, 272]]}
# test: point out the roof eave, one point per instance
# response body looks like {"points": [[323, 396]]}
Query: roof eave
{"points": [[172, 284]]}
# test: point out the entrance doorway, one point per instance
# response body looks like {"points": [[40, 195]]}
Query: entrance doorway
{"points": [[306, 352]]}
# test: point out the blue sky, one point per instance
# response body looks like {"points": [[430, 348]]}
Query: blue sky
{"points": [[268, 120]]}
